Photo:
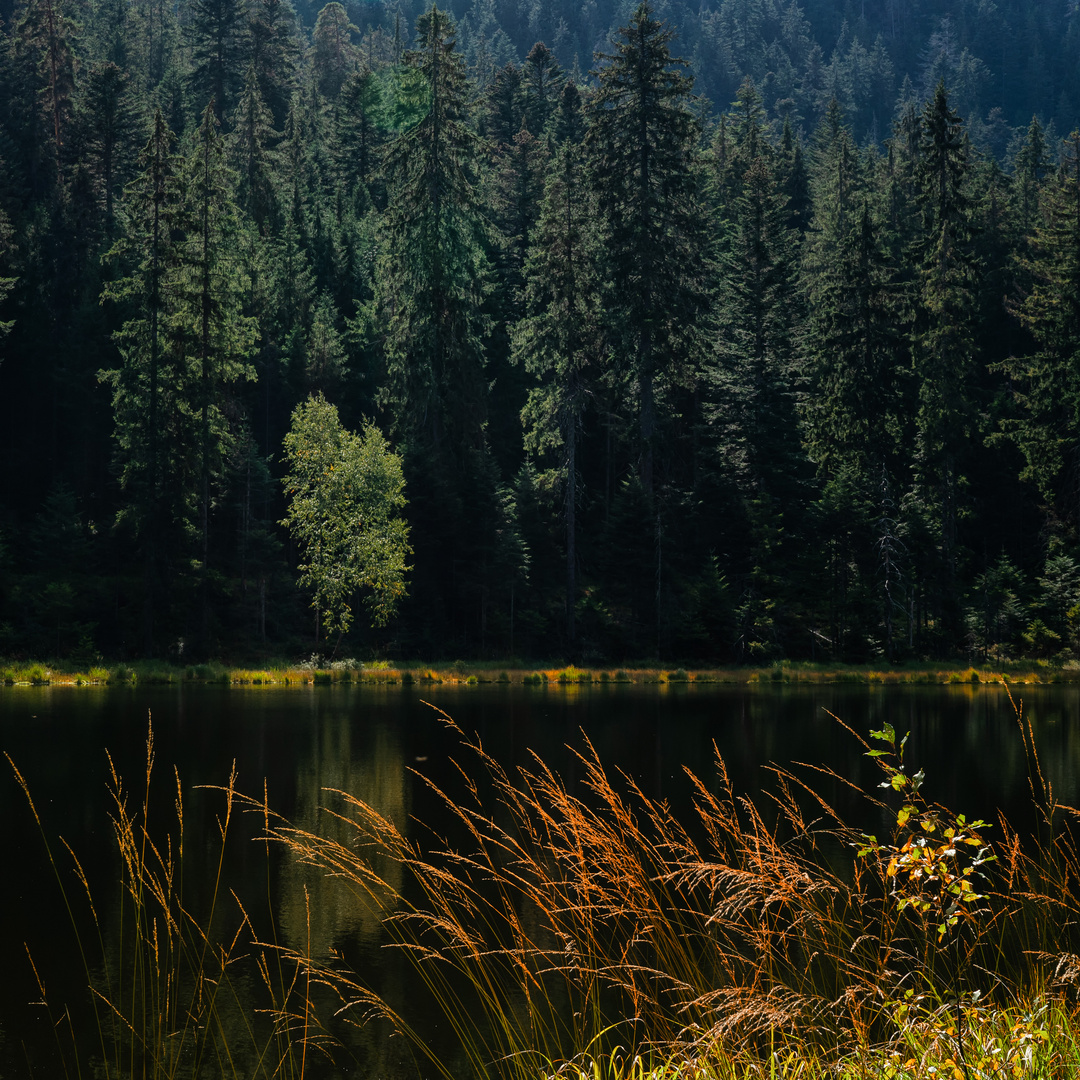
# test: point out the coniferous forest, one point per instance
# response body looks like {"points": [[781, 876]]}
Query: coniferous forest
{"points": [[710, 333]]}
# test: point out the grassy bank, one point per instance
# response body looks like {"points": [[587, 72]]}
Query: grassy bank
{"points": [[381, 672], [579, 930]]}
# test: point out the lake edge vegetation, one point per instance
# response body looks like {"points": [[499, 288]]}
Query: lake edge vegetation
{"points": [[322, 671], [584, 932]]}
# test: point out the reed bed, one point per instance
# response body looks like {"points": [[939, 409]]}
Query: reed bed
{"points": [[551, 923], [168, 973], [581, 930]]}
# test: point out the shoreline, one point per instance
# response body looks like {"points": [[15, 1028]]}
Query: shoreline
{"points": [[383, 673]]}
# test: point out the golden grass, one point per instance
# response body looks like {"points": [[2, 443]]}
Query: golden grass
{"points": [[382, 673], [581, 930], [168, 980], [550, 923]]}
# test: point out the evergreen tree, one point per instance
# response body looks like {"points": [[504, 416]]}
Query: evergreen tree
{"points": [[42, 44], [503, 106], [334, 57], [432, 279], [252, 153], [360, 134], [518, 187], [215, 35], [220, 337], [542, 81], [274, 54], [640, 147], [109, 120], [1047, 382], [1031, 166], [943, 344], [431, 287], [569, 123], [153, 430], [559, 341]]}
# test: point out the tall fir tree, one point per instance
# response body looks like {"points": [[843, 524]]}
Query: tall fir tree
{"points": [[220, 336], [215, 36], [274, 53], [559, 341], [432, 284], [946, 420], [640, 145], [152, 425], [1047, 381]]}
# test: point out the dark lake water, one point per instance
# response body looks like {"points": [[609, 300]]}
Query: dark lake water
{"points": [[366, 740]]}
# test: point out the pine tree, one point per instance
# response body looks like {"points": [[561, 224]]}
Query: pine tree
{"points": [[542, 81], [215, 35], [943, 341], [503, 106], [753, 395], [640, 146], [360, 134], [334, 57], [152, 428], [569, 122], [559, 341], [109, 121], [274, 53], [42, 41], [517, 190], [854, 350], [251, 149], [433, 270], [1047, 383], [220, 337], [1031, 165]]}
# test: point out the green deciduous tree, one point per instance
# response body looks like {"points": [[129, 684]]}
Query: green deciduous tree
{"points": [[346, 493]]}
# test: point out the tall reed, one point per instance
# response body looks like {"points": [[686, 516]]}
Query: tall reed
{"points": [[585, 930], [166, 971], [550, 923]]}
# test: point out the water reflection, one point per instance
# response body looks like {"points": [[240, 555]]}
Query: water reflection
{"points": [[373, 771]]}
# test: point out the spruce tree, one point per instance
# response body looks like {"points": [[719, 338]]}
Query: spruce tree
{"points": [[433, 269], [542, 81], [431, 288], [1047, 382], [640, 146], [559, 341], [251, 149], [109, 120], [334, 57], [943, 341], [153, 431], [274, 53], [215, 35], [220, 338], [42, 48]]}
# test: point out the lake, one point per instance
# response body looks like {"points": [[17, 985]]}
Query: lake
{"points": [[368, 741]]}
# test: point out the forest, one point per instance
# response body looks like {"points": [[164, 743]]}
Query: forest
{"points": [[703, 333]]}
